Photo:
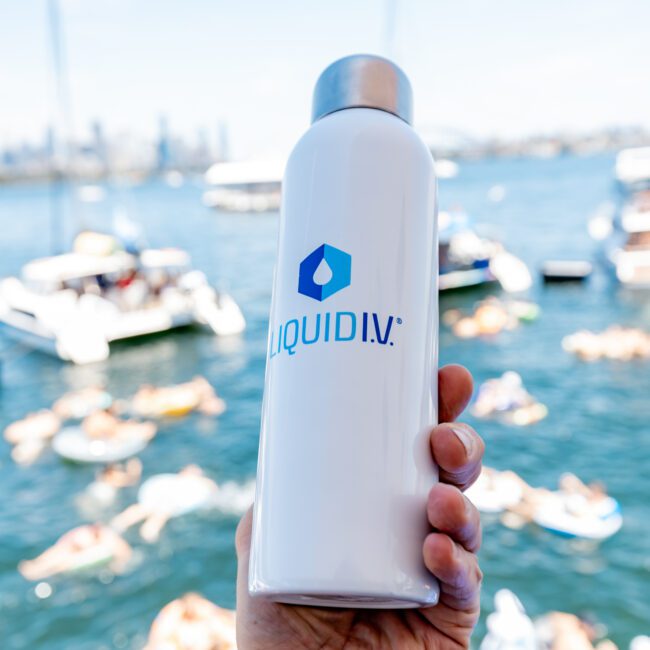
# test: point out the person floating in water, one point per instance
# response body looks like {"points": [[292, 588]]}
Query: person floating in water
{"points": [[81, 548], [505, 398], [192, 623], [164, 496], [198, 394], [616, 343], [561, 631], [111, 478], [106, 426], [31, 435]]}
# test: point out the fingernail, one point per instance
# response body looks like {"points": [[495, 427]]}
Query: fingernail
{"points": [[466, 438]]}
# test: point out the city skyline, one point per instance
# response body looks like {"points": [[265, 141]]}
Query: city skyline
{"points": [[252, 66]]}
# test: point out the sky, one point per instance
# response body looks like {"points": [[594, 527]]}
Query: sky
{"points": [[478, 67]]}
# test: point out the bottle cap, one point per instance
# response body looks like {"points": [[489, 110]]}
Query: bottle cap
{"points": [[363, 81]]}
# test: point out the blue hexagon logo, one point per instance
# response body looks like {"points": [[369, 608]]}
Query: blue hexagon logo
{"points": [[324, 272]]}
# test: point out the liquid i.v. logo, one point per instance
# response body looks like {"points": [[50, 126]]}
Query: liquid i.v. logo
{"points": [[324, 272]]}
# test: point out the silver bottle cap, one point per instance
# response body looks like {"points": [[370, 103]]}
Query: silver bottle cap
{"points": [[363, 81]]}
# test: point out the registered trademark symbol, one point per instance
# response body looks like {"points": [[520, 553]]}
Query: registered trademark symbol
{"points": [[399, 321]]}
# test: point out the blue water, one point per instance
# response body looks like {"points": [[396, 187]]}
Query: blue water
{"points": [[598, 424]]}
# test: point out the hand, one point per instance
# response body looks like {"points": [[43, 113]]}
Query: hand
{"points": [[449, 553]]}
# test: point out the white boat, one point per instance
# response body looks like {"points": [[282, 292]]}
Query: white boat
{"points": [[74, 305], [632, 168], [468, 260], [625, 234], [244, 186]]}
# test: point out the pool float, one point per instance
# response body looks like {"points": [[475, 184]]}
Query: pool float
{"points": [[509, 627], [494, 493], [72, 443], [176, 494], [558, 515], [91, 558], [165, 402]]}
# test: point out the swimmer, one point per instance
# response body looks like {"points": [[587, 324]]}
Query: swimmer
{"points": [[581, 500], [180, 399], [30, 435], [186, 491], [192, 623], [78, 404], [615, 343], [104, 425], [560, 631], [79, 548], [506, 398], [115, 476], [490, 317]]}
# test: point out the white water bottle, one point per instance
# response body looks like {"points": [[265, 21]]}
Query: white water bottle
{"points": [[344, 465]]}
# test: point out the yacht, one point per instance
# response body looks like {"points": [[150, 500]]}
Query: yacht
{"points": [[244, 186], [75, 304], [469, 260]]}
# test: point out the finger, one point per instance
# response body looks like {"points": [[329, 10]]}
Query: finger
{"points": [[454, 392], [457, 571], [449, 511], [243, 548], [243, 536], [458, 451]]}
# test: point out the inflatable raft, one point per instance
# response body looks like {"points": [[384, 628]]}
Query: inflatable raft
{"points": [[596, 522], [176, 494], [494, 492], [73, 444]]}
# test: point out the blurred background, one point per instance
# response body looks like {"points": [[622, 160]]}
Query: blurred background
{"points": [[142, 147]]}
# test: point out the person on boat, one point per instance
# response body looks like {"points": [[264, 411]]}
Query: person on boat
{"points": [[192, 623], [78, 404], [105, 425], [151, 401], [80, 548], [30, 435], [156, 511], [448, 551]]}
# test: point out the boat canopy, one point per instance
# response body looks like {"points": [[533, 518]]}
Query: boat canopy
{"points": [[70, 266], [633, 166], [258, 172], [152, 258]]}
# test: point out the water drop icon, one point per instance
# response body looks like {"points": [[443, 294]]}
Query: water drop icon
{"points": [[323, 273]]}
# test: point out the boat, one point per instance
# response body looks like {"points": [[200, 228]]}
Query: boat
{"points": [[253, 186], [632, 169], [469, 260], [625, 236], [76, 304]]}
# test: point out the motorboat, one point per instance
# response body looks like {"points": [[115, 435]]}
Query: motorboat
{"points": [[253, 186], [468, 260], [75, 304], [625, 235], [632, 169]]}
